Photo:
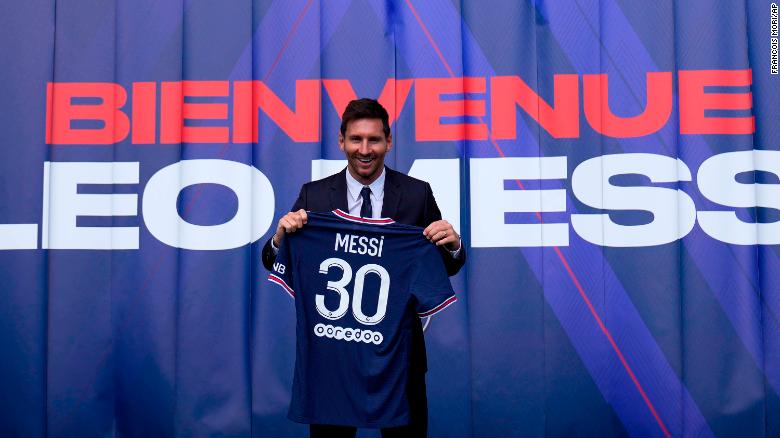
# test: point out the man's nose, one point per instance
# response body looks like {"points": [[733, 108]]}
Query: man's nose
{"points": [[364, 149]]}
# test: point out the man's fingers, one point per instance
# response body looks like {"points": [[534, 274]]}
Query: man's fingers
{"points": [[438, 235], [435, 227], [434, 233], [286, 224], [298, 217], [289, 223], [292, 221], [445, 240]]}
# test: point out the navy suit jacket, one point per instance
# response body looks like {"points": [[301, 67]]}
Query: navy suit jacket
{"points": [[407, 200]]}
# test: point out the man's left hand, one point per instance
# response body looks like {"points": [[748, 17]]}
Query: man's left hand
{"points": [[442, 233]]}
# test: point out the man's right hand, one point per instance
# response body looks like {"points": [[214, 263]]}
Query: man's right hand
{"points": [[289, 223]]}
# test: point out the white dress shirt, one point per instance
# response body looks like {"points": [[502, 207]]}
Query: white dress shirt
{"points": [[355, 201]]}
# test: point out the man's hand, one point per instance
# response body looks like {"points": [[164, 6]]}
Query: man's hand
{"points": [[289, 223], [442, 233]]}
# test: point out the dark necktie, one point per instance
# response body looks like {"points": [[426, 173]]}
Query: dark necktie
{"points": [[365, 209]]}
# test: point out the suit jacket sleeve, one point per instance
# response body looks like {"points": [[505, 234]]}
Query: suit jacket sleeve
{"points": [[268, 255], [433, 214]]}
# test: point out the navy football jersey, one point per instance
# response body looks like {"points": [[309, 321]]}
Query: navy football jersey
{"points": [[357, 283]]}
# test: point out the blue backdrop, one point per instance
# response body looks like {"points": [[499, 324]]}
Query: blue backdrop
{"points": [[623, 273]]}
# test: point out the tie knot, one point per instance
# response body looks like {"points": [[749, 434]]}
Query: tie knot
{"points": [[365, 193]]}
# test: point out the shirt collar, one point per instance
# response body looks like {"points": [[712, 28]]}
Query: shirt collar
{"points": [[354, 186]]}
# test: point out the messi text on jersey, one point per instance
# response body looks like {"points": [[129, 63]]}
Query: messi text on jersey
{"points": [[359, 244]]}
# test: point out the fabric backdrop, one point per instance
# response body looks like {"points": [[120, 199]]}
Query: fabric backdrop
{"points": [[612, 165]]}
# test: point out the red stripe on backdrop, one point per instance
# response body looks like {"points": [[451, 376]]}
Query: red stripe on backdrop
{"points": [[557, 250]]}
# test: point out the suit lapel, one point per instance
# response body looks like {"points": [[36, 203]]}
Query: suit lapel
{"points": [[338, 192], [393, 194]]}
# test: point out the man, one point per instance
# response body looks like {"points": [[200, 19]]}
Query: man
{"points": [[367, 188]]}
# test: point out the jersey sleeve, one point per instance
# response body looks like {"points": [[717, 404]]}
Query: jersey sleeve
{"points": [[431, 285], [281, 273]]}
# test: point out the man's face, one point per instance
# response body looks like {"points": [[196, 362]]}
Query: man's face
{"points": [[365, 146]]}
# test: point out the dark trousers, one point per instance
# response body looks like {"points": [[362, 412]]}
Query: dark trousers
{"points": [[418, 410]]}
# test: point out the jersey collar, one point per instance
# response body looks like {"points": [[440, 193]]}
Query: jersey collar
{"points": [[363, 220]]}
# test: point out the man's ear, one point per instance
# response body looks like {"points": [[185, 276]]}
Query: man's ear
{"points": [[389, 141], [341, 142]]}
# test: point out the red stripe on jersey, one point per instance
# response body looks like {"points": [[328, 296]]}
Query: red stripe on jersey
{"points": [[281, 283], [440, 307]]}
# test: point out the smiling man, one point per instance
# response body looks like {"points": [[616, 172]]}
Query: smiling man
{"points": [[369, 189], [365, 145]]}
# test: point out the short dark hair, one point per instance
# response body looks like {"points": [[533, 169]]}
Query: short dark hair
{"points": [[365, 109]]}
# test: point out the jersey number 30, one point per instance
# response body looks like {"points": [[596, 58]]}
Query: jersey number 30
{"points": [[357, 295]]}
